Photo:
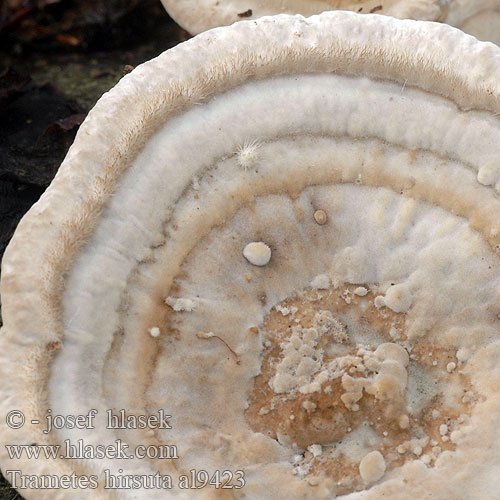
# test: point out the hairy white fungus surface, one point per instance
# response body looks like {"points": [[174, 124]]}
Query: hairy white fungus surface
{"points": [[283, 367], [247, 155]]}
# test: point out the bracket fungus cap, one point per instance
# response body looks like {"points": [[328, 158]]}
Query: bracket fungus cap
{"points": [[126, 287], [197, 16], [480, 18]]}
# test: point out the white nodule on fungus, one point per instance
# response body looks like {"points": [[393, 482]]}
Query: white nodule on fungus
{"points": [[315, 449], [398, 298], [320, 217], [463, 355], [361, 291], [205, 335], [154, 332], [181, 304], [488, 174], [321, 282], [391, 351], [417, 450], [257, 253], [404, 421], [163, 189], [372, 467]]}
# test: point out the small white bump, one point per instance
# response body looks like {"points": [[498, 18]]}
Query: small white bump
{"points": [[398, 298], [487, 175], [257, 253], [320, 217], [372, 467], [463, 355], [154, 332]]}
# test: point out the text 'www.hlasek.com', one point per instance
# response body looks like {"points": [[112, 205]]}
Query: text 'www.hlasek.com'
{"points": [[117, 453]]}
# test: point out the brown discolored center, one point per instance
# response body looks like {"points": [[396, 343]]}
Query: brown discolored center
{"points": [[333, 364]]}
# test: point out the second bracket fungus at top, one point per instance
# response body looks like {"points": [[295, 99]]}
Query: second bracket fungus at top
{"points": [[200, 15], [480, 18], [362, 358]]}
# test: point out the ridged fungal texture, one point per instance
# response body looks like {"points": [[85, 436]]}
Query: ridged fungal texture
{"points": [[318, 309]]}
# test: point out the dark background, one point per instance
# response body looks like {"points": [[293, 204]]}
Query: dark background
{"points": [[57, 57]]}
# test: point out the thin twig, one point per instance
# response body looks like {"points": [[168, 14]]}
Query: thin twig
{"points": [[210, 335]]}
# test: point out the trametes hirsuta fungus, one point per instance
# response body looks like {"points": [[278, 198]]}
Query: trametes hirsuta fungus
{"points": [[197, 16], [285, 234], [480, 18]]}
